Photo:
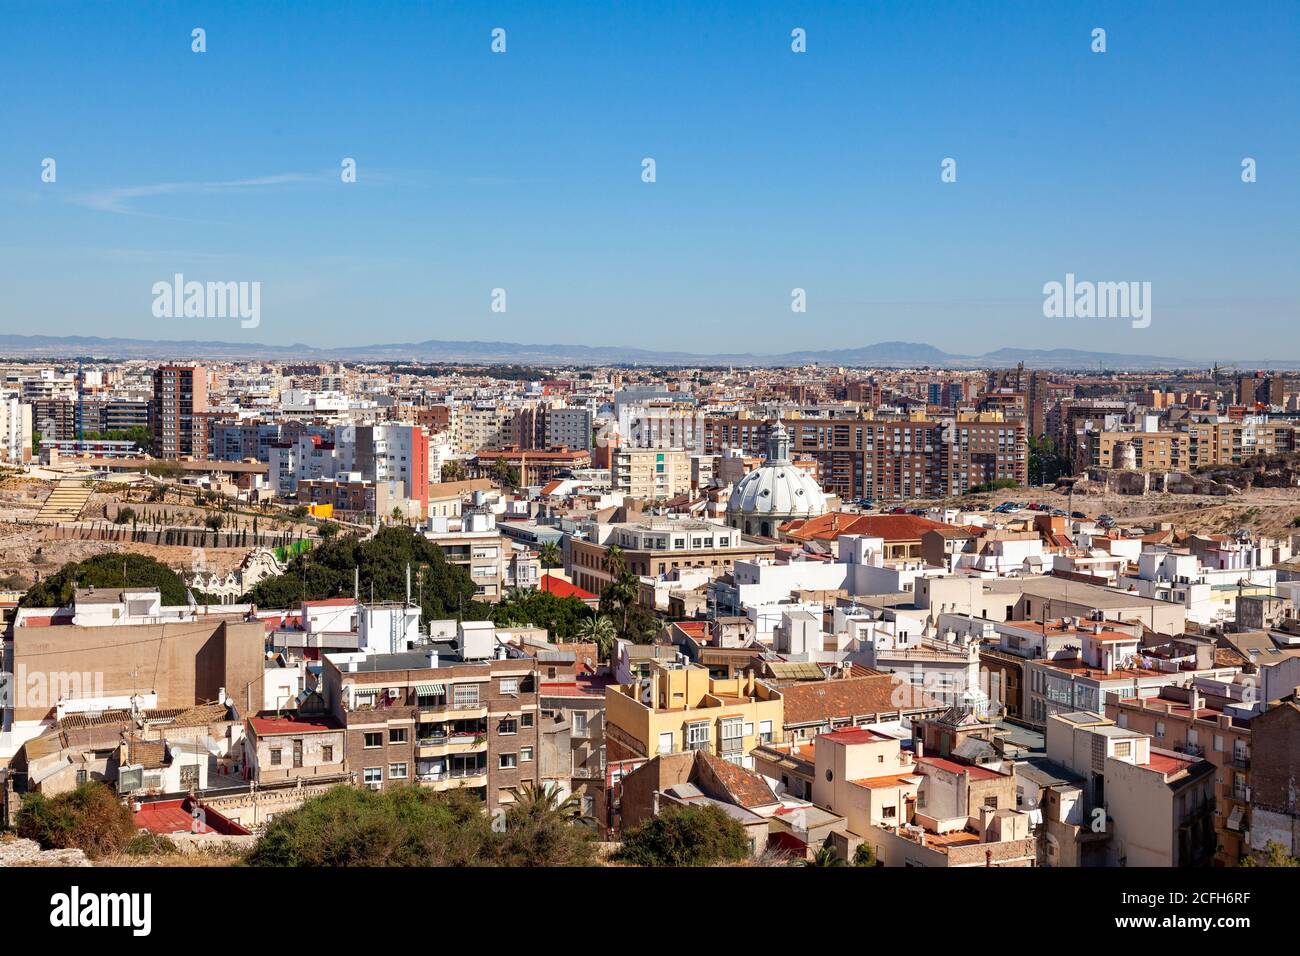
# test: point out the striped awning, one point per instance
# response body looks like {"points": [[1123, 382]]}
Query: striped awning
{"points": [[431, 690]]}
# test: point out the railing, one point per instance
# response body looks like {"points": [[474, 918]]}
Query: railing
{"points": [[1239, 761]]}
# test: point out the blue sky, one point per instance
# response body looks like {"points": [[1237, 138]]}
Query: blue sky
{"points": [[775, 170]]}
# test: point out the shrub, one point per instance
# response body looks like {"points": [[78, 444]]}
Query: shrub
{"points": [[686, 836], [410, 826], [151, 844], [90, 818]]}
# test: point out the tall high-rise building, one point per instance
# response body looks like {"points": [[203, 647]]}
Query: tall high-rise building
{"points": [[180, 396]]}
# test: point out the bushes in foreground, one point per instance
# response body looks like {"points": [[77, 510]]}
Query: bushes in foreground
{"points": [[410, 826], [90, 818], [686, 836]]}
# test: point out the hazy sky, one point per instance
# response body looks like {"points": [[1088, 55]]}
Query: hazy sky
{"points": [[775, 170]]}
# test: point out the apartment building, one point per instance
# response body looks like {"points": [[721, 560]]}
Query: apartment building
{"points": [[475, 427], [565, 427], [650, 473], [493, 561], [452, 714], [657, 546], [883, 459], [15, 429], [680, 707], [180, 399], [1146, 806], [1188, 722]]}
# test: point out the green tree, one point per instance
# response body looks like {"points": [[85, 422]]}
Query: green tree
{"points": [[1046, 464], [562, 617], [503, 473], [685, 836], [540, 830], [550, 554], [1274, 855], [453, 471], [621, 601], [599, 630], [121, 570], [356, 826], [90, 818], [865, 855], [327, 570], [824, 857]]}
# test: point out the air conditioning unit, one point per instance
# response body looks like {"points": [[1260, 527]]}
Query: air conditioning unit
{"points": [[130, 778]]}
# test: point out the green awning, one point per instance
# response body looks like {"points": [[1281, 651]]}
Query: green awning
{"points": [[431, 690]]}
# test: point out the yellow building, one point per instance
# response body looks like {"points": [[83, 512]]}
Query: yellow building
{"points": [[680, 707]]}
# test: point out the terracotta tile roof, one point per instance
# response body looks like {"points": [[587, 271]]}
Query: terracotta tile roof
{"points": [[745, 787], [150, 754], [820, 701], [830, 526]]}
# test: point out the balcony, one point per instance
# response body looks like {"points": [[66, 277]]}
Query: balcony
{"points": [[444, 709], [455, 777], [441, 745]]}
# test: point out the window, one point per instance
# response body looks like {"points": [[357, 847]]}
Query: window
{"points": [[666, 743], [765, 731], [1160, 728], [373, 777], [588, 805], [375, 739], [509, 761], [275, 757], [579, 723], [327, 754], [991, 803], [1123, 748], [509, 685], [525, 754], [397, 771], [397, 735], [697, 736], [465, 695], [525, 720], [508, 727], [888, 812]]}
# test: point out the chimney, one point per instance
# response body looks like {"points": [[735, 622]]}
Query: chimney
{"points": [[919, 748]]}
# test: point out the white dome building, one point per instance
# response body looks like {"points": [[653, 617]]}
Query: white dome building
{"points": [[774, 493]]}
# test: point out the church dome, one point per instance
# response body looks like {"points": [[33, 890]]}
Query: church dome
{"points": [[775, 492]]}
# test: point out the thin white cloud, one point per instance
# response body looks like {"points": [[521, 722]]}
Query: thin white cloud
{"points": [[121, 200]]}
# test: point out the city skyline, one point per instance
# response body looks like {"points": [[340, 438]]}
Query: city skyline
{"points": [[775, 171]]}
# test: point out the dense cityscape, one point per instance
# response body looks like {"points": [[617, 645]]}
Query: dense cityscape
{"points": [[913, 617]]}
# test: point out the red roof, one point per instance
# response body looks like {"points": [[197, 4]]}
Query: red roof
{"points": [[272, 726], [330, 602], [1167, 764], [178, 816], [562, 588]]}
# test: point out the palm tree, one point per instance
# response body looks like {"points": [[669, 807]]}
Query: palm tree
{"points": [[550, 554], [864, 855], [599, 630], [621, 593], [537, 801], [825, 857]]}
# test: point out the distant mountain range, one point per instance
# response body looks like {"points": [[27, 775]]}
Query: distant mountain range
{"points": [[879, 355]]}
